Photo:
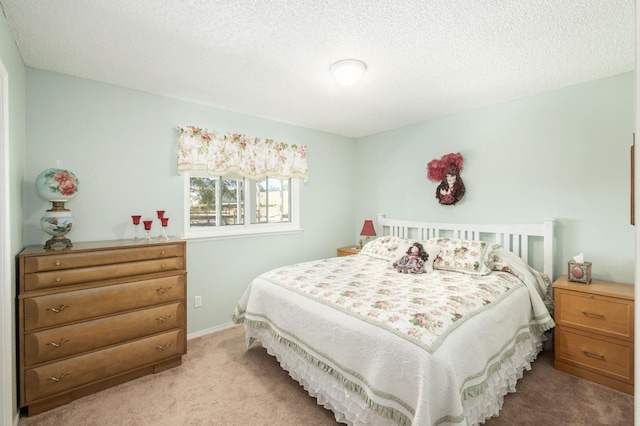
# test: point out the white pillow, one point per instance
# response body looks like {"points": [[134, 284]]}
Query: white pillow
{"points": [[433, 250]]}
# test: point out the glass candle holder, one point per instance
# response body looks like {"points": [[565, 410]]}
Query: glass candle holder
{"points": [[160, 213], [136, 225], [165, 222], [147, 228]]}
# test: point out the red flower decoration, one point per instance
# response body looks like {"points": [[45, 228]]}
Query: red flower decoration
{"points": [[438, 169]]}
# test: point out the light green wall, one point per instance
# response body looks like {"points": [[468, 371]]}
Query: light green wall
{"points": [[122, 145], [12, 61], [562, 154]]}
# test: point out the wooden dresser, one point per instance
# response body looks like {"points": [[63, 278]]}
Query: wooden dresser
{"points": [[96, 315], [595, 331]]}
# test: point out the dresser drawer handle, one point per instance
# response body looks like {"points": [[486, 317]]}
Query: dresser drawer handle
{"points": [[162, 266], [58, 262], [58, 279], [58, 310], [57, 379], [162, 252], [162, 290], [163, 319], [163, 347], [592, 354], [57, 345], [592, 314]]}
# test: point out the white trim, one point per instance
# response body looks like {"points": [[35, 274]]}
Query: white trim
{"points": [[6, 302], [211, 330]]}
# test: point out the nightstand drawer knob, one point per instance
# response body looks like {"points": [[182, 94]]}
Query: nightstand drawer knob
{"points": [[58, 262], [162, 290], [592, 314], [592, 354]]}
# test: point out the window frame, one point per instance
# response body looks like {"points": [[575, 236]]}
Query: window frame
{"points": [[246, 229]]}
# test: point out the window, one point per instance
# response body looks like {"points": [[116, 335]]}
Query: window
{"points": [[237, 184], [227, 206]]}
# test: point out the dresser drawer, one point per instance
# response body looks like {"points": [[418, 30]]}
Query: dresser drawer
{"points": [[62, 261], [80, 305], [64, 375], [609, 357], [45, 280], [66, 341], [609, 316]]}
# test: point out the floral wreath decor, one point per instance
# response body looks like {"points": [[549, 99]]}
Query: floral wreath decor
{"points": [[446, 170]]}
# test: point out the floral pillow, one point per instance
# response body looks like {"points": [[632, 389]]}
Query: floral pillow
{"points": [[385, 247], [466, 256]]}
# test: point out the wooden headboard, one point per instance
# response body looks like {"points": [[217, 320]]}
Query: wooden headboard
{"points": [[525, 240]]}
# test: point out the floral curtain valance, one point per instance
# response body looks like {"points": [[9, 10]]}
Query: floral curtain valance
{"points": [[205, 151]]}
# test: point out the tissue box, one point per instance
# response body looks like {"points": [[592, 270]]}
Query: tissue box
{"points": [[580, 272]]}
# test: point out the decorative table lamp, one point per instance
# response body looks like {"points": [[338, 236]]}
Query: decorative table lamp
{"points": [[367, 231], [57, 186]]}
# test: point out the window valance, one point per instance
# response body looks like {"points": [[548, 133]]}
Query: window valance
{"points": [[202, 151]]}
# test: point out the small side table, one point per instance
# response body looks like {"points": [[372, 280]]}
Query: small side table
{"points": [[594, 336], [348, 251]]}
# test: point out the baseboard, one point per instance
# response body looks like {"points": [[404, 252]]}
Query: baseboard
{"points": [[209, 330]]}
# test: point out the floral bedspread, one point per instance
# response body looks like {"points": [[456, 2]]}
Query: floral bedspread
{"points": [[422, 308]]}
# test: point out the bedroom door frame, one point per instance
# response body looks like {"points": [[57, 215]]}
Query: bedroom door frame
{"points": [[6, 306]]}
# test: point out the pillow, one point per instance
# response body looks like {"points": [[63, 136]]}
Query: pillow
{"points": [[385, 247], [433, 250], [466, 256], [498, 263]]}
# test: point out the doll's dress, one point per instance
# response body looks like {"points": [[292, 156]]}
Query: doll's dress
{"points": [[409, 264]]}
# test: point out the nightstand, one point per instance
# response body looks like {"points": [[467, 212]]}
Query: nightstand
{"points": [[348, 251], [595, 331]]}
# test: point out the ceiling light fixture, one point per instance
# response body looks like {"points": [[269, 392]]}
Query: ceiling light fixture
{"points": [[348, 72]]}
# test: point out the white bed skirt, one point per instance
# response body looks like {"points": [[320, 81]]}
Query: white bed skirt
{"points": [[351, 409]]}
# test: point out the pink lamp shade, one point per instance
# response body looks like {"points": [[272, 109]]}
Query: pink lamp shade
{"points": [[367, 229]]}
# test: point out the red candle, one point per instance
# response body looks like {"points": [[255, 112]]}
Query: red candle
{"points": [[147, 224], [165, 221], [160, 213], [136, 219]]}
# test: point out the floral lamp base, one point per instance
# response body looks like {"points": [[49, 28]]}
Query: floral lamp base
{"points": [[58, 243], [57, 222]]}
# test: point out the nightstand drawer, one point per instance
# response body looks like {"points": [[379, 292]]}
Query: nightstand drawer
{"points": [[605, 315], [610, 357]]}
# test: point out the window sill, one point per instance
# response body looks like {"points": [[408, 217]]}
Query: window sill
{"points": [[246, 233]]}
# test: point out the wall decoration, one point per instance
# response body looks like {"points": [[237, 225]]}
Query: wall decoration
{"points": [[446, 170]]}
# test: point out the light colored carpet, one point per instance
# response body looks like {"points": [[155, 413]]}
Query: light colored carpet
{"points": [[222, 383]]}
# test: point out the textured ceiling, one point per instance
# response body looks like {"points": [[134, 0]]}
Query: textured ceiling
{"points": [[271, 58]]}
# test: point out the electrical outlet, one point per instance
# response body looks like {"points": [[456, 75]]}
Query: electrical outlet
{"points": [[197, 301]]}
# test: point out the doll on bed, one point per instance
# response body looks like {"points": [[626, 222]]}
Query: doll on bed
{"points": [[413, 261]]}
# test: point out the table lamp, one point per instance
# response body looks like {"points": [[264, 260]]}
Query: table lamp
{"points": [[367, 231]]}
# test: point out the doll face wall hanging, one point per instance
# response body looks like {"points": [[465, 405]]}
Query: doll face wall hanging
{"points": [[446, 171]]}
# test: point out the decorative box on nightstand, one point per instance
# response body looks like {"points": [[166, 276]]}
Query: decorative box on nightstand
{"points": [[594, 331], [348, 251]]}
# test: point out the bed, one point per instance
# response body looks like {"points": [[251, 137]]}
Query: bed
{"points": [[380, 347]]}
